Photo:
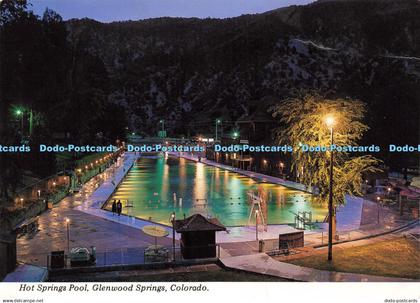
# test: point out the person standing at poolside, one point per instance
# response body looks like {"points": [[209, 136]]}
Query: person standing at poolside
{"points": [[114, 207], [119, 207]]}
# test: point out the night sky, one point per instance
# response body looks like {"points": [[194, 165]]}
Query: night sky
{"points": [[114, 10]]}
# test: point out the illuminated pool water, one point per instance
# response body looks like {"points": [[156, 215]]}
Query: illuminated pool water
{"points": [[151, 183]]}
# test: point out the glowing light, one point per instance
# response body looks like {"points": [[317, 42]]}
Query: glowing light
{"points": [[330, 121]]}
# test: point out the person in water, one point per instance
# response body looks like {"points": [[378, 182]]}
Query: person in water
{"points": [[119, 207], [114, 207]]}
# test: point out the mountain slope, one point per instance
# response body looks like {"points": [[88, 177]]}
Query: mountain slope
{"points": [[190, 71]]}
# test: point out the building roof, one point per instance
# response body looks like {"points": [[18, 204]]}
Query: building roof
{"points": [[198, 222]]}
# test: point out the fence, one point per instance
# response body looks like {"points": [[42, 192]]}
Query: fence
{"points": [[160, 254]]}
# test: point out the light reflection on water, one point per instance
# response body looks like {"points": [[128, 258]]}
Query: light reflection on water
{"points": [[155, 187]]}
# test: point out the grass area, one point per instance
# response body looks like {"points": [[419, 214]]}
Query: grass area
{"points": [[221, 275], [396, 258]]}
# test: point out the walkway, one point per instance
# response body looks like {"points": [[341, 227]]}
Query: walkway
{"points": [[27, 273], [263, 264]]}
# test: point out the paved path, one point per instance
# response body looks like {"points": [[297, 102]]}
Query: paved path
{"points": [[249, 233], [27, 273], [263, 264]]}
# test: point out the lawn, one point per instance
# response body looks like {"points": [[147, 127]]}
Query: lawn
{"points": [[396, 258]]}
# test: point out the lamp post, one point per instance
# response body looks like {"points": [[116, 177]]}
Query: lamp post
{"points": [[163, 124], [173, 235], [68, 234], [330, 123], [281, 169], [256, 224], [19, 113], [217, 123]]}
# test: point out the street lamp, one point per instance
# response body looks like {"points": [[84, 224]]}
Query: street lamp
{"points": [[173, 235], [163, 124], [281, 168], [19, 113], [330, 121], [235, 135], [217, 123], [68, 234], [378, 207]]}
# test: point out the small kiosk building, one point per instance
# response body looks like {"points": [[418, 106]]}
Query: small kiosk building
{"points": [[198, 236]]}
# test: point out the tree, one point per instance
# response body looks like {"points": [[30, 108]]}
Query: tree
{"points": [[303, 122], [12, 14]]}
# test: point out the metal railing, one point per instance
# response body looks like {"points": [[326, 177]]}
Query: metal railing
{"points": [[159, 254]]}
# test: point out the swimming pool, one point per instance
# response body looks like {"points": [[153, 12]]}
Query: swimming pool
{"points": [[156, 187]]}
